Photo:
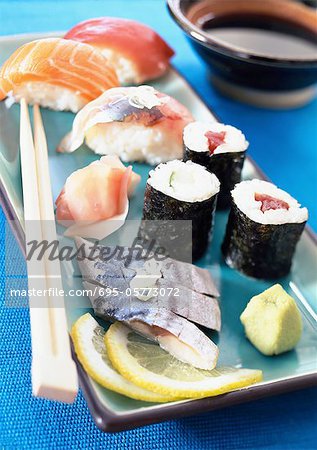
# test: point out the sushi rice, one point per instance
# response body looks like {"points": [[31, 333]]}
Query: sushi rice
{"points": [[125, 68], [187, 182], [132, 142], [49, 96], [195, 139], [244, 197]]}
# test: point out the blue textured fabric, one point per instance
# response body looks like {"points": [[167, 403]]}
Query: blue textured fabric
{"points": [[284, 145]]}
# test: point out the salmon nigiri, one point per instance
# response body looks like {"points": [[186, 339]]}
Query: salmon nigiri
{"points": [[95, 194], [56, 73], [137, 52], [135, 123]]}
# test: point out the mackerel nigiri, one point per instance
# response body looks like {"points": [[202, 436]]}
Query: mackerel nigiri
{"points": [[110, 276], [135, 123], [56, 73], [137, 52]]}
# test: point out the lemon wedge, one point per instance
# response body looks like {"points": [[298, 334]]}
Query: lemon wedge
{"points": [[88, 339], [147, 365]]}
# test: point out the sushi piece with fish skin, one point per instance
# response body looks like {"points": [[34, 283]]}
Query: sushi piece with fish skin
{"points": [[56, 73], [190, 276], [186, 302], [173, 333], [183, 273], [192, 305], [135, 123], [163, 318], [136, 51], [177, 272]]}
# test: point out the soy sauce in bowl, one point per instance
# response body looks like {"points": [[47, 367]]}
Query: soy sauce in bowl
{"points": [[259, 51], [263, 35]]}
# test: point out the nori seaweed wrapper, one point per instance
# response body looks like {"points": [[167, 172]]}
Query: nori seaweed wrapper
{"points": [[172, 214], [226, 166], [202, 158], [262, 251]]}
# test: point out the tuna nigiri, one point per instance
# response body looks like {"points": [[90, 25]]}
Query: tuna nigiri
{"points": [[135, 123], [93, 195], [56, 73], [137, 52]]}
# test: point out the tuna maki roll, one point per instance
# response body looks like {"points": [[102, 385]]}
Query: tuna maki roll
{"points": [[179, 191], [221, 149], [264, 226]]}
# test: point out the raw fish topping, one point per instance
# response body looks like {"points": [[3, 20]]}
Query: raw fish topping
{"points": [[56, 73], [137, 104], [269, 202], [121, 110], [137, 124], [137, 52], [144, 97], [182, 294], [215, 139]]}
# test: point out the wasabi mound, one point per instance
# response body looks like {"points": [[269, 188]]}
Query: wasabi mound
{"points": [[272, 321]]}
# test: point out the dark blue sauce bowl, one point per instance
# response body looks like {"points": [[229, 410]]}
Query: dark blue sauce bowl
{"points": [[261, 78]]}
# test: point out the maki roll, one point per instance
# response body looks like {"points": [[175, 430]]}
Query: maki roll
{"points": [[179, 191], [221, 149], [264, 226]]}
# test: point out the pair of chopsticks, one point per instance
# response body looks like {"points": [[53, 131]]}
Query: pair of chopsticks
{"points": [[54, 374]]}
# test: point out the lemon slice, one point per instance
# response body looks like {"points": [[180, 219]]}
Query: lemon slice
{"points": [[88, 338], [149, 366]]}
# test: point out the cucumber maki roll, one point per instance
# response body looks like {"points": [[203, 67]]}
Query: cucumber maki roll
{"points": [[179, 191], [264, 226], [221, 149]]}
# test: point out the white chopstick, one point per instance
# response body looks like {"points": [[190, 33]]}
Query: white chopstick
{"points": [[54, 373]]}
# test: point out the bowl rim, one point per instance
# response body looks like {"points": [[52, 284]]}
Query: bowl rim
{"points": [[227, 49]]}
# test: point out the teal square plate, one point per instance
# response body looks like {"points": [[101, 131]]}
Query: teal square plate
{"points": [[114, 412]]}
